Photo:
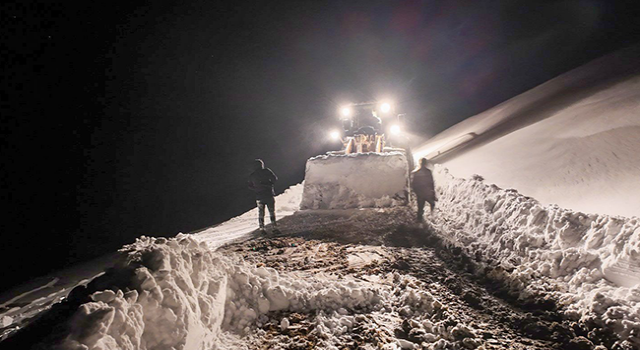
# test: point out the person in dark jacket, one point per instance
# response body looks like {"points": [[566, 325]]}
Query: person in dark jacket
{"points": [[423, 186], [261, 182]]}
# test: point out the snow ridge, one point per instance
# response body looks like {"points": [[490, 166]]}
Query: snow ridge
{"points": [[178, 294], [548, 250], [169, 297]]}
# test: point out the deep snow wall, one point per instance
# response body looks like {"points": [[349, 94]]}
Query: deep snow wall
{"points": [[589, 263], [355, 181]]}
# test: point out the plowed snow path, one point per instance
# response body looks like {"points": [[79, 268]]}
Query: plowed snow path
{"points": [[436, 297]]}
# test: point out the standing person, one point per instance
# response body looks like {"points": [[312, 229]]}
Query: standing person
{"points": [[261, 182], [423, 186]]}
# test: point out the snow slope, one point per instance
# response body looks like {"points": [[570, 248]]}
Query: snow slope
{"points": [[573, 141]]}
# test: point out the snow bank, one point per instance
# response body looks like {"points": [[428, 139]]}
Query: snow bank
{"points": [[178, 294], [548, 249], [161, 294], [355, 181]]}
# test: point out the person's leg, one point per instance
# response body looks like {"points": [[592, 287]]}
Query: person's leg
{"points": [[260, 213], [272, 210], [421, 202], [432, 204]]}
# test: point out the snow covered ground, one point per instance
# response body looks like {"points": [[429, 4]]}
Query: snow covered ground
{"points": [[370, 278], [240, 227], [493, 268], [19, 306]]}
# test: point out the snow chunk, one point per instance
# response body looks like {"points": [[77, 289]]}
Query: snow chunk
{"points": [[284, 324], [6, 321], [106, 296]]}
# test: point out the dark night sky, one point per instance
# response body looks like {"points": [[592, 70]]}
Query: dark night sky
{"points": [[123, 120]]}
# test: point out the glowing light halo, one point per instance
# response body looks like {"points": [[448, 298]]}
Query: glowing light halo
{"points": [[346, 111], [385, 107]]}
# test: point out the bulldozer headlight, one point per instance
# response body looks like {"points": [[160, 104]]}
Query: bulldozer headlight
{"points": [[395, 129], [346, 111], [334, 135], [385, 107]]}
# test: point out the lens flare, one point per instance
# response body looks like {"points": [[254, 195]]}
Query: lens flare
{"points": [[395, 129], [334, 135]]}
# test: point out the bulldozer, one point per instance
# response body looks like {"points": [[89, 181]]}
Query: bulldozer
{"points": [[367, 171], [362, 127]]}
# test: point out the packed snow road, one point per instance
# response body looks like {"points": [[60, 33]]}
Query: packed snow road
{"points": [[431, 297]]}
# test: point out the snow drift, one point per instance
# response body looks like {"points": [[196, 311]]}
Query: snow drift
{"points": [[178, 294], [548, 250], [355, 181]]}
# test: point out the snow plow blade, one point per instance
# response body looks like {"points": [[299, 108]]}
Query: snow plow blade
{"points": [[359, 180]]}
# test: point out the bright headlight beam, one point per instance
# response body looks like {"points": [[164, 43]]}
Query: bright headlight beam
{"points": [[345, 111], [395, 129], [334, 135], [385, 107]]}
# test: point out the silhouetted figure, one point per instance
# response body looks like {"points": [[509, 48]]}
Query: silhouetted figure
{"points": [[366, 119], [261, 182], [364, 122], [423, 186]]}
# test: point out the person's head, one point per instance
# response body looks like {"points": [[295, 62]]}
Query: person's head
{"points": [[258, 164], [423, 162]]}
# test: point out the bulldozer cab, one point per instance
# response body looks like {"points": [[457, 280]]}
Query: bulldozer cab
{"points": [[360, 119], [363, 128]]}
